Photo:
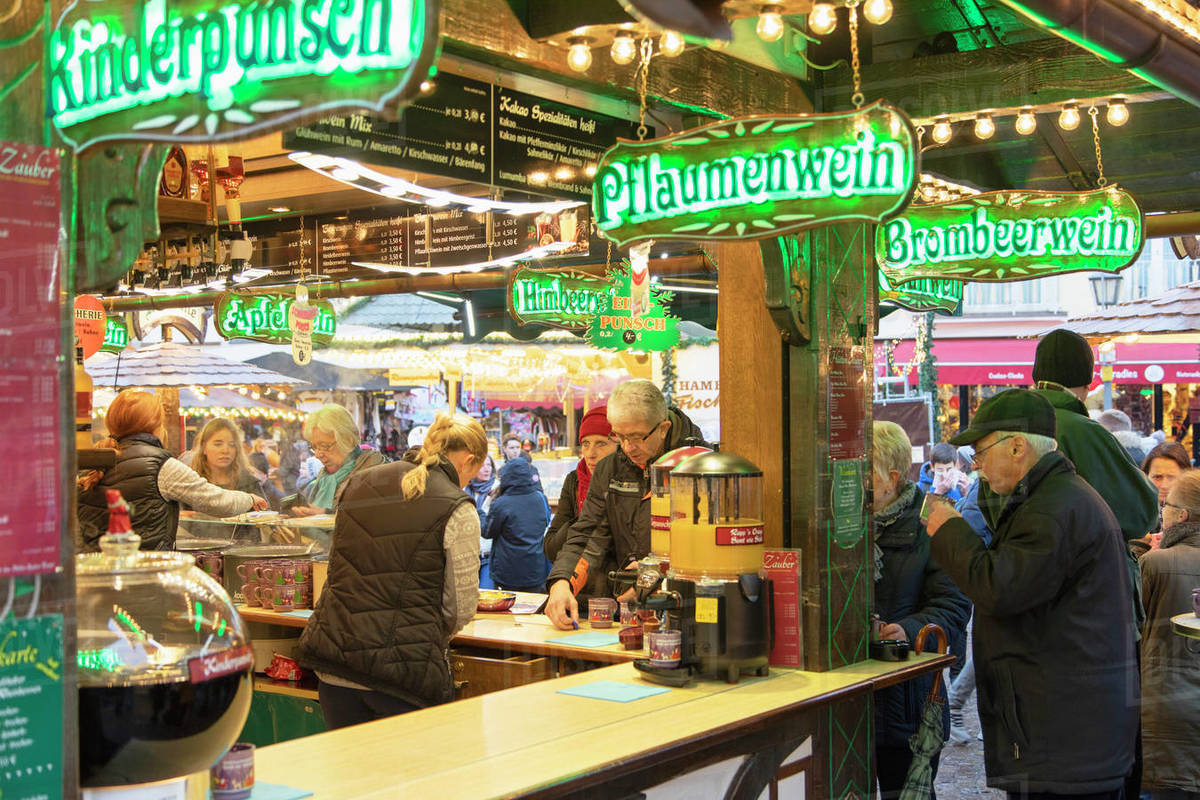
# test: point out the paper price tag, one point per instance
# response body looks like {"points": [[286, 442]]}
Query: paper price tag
{"points": [[706, 609]]}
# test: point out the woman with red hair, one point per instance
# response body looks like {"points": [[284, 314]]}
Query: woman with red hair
{"points": [[152, 481]]}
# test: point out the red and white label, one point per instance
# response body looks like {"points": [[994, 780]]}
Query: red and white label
{"points": [[660, 523], [782, 568], [205, 668], [734, 535]]}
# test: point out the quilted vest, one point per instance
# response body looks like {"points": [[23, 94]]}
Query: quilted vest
{"points": [[135, 476]]}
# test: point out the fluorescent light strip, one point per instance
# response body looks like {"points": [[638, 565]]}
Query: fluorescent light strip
{"points": [[686, 289], [352, 173], [528, 255]]}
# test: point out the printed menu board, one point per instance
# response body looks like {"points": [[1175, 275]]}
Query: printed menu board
{"points": [[31, 703]]}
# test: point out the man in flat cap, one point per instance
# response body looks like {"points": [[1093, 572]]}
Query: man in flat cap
{"points": [[1058, 698]]}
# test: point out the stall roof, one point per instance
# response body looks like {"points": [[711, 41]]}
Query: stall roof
{"points": [[1174, 313], [321, 374], [403, 311], [174, 364]]}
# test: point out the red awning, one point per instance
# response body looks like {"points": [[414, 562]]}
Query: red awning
{"points": [[1001, 362]]}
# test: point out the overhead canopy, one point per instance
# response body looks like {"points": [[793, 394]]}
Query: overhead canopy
{"points": [[174, 364], [214, 402], [1172, 316], [320, 374]]}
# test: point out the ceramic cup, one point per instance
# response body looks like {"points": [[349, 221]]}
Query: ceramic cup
{"points": [[232, 778], [1196, 601], [665, 648], [304, 595], [280, 573], [629, 617], [251, 571], [212, 564], [600, 611], [303, 570], [250, 594], [281, 598]]}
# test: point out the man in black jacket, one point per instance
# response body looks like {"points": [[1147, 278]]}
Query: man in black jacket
{"points": [[1058, 688], [615, 520]]}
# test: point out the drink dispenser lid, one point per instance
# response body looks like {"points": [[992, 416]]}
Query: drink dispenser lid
{"points": [[673, 458], [717, 464]]}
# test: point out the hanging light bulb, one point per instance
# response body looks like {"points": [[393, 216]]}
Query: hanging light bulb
{"points": [[624, 48], [770, 23], [822, 19], [941, 130], [1068, 118], [984, 126], [1118, 112], [877, 12], [1026, 121], [579, 55], [671, 44]]}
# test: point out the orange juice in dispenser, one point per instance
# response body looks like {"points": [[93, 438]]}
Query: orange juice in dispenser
{"points": [[716, 517], [660, 497]]}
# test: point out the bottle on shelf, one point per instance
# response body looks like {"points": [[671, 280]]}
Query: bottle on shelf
{"points": [[175, 180], [83, 402]]}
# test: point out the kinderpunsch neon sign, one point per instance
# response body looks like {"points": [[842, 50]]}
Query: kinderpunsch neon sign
{"points": [[752, 177], [199, 70], [1012, 236]]}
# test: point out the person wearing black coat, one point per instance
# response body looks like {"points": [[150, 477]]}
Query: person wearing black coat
{"points": [[911, 591], [517, 523]]}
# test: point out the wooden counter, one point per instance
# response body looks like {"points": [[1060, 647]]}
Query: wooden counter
{"points": [[530, 741]]}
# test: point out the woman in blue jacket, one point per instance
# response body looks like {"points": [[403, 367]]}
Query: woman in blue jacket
{"points": [[517, 523]]}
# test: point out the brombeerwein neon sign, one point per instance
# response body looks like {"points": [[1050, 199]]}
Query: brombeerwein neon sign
{"points": [[209, 70], [264, 318], [558, 298], [1012, 236], [758, 176]]}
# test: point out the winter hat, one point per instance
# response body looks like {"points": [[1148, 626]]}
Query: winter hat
{"points": [[595, 423], [1017, 410], [1064, 357]]}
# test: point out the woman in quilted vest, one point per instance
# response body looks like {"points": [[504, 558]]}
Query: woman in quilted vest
{"points": [[403, 579]]}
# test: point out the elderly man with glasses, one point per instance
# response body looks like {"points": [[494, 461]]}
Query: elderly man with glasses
{"points": [[615, 519], [1058, 688]]}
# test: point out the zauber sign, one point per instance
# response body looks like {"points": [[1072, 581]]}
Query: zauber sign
{"points": [[209, 70], [264, 318], [558, 298], [758, 176], [1012, 236]]}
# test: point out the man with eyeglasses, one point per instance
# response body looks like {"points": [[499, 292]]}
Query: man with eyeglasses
{"points": [[615, 519], [1058, 690]]}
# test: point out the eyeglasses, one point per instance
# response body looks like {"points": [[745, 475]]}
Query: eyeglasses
{"points": [[322, 447], [978, 457], [623, 441]]}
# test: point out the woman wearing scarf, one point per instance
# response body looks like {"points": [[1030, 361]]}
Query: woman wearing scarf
{"points": [[594, 445], [334, 438], [480, 489]]}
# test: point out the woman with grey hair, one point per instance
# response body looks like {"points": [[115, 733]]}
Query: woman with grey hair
{"points": [[334, 438]]}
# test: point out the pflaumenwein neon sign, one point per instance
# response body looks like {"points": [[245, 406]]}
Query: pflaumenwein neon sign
{"points": [[1012, 236], [203, 70], [757, 176]]}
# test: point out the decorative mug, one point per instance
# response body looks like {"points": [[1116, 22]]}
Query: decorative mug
{"points": [[304, 595], [600, 611], [250, 594], [251, 571], [280, 573], [280, 598], [212, 564], [665, 648], [232, 778]]}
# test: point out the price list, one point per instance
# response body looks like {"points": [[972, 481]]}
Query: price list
{"points": [[381, 240]]}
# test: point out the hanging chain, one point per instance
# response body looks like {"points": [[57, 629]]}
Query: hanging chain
{"points": [[856, 98], [1101, 181], [642, 79]]}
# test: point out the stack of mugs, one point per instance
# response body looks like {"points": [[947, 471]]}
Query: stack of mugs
{"points": [[279, 584]]}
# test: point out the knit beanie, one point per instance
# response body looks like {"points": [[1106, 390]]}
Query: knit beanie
{"points": [[1064, 357], [595, 423]]}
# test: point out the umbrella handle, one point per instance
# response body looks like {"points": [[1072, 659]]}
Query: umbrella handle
{"points": [[943, 644]]}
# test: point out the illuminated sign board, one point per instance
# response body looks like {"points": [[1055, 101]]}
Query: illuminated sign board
{"points": [[264, 318], [758, 176], [924, 294], [633, 320], [207, 70], [116, 334], [1012, 236], [558, 298]]}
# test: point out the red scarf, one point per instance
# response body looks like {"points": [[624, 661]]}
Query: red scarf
{"points": [[584, 477]]}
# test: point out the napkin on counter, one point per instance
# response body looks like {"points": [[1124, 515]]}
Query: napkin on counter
{"points": [[586, 639], [614, 691]]}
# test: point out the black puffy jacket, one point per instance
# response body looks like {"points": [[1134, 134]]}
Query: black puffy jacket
{"points": [[140, 457]]}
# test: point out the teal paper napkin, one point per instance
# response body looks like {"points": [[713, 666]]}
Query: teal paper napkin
{"points": [[614, 691], [273, 791], [586, 639]]}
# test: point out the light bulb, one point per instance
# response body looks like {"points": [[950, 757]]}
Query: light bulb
{"points": [[941, 130], [877, 12], [1068, 118], [1118, 112], [579, 55], [624, 48], [1026, 121], [984, 126], [671, 44], [822, 19], [427, 87], [770, 24]]}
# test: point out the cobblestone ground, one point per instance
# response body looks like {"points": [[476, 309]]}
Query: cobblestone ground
{"points": [[960, 771]]}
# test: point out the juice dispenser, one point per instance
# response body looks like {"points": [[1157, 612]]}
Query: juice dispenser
{"points": [[660, 497], [716, 595]]}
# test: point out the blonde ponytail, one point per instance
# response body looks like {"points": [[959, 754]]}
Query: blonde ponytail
{"points": [[448, 433]]}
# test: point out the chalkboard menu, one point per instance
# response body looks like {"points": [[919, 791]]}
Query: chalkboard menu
{"points": [[478, 132]]}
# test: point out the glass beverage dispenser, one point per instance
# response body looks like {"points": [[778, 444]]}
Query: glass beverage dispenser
{"points": [[716, 517], [660, 497]]}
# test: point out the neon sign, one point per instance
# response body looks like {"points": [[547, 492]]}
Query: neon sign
{"points": [[558, 298], [191, 70], [758, 176], [616, 326], [264, 318], [925, 294], [116, 334], [1012, 236]]}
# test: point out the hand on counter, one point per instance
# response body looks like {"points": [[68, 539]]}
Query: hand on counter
{"points": [[562, 608], [259, 503], [306, 511], [890, 630]]}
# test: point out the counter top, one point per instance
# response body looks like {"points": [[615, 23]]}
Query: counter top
{"points": [[532, 739]]}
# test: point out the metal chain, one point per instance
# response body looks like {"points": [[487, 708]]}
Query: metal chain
{"points": [[643, 78], [856, 98], [1101, 181]]}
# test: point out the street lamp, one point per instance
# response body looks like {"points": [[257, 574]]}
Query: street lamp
{"points": [[1105, 289]]}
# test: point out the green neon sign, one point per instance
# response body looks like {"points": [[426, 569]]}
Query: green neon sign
{"points": [[264, 318], [211, 70], [558, 298], [116, 334], [758, 176], [925, 294], [1012, 236], [615, 325]]}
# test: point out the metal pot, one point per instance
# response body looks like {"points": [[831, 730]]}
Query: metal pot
{"points": [[235, 556]]}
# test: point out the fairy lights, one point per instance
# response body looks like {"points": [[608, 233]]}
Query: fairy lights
{"points": [[987, 121]]}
